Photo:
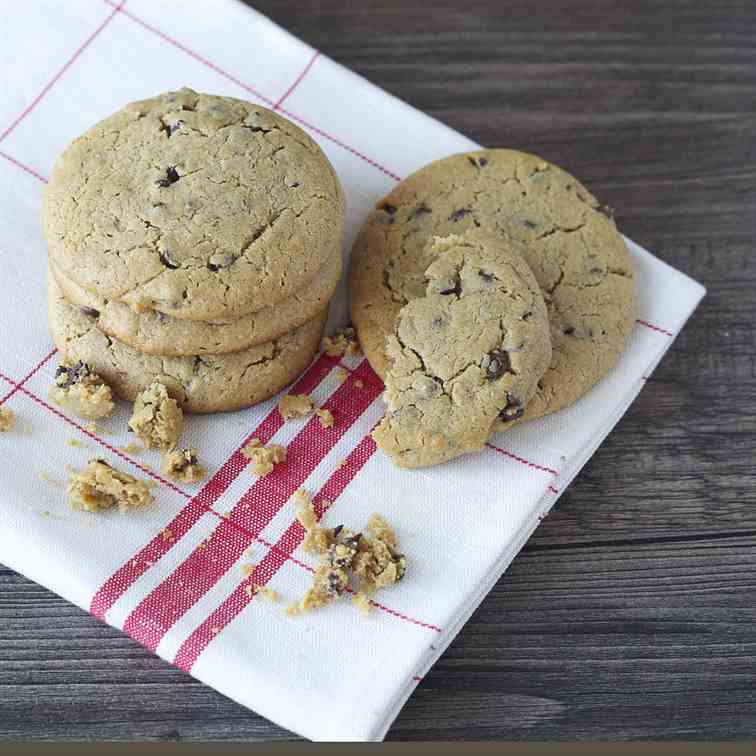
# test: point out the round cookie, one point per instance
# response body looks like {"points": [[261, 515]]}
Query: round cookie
{"points": [[567, 238], [208, 383], [466, 355], [199, 206], [151, 332]]}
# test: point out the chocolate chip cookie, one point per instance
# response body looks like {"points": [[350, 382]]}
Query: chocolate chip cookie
{"points": [[466, 355], [199, 206], [204, 383], [152, 332], [568, 239]]}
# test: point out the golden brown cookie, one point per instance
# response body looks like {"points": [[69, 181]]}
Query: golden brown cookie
{"points": [[199, 206], [566, 236]]}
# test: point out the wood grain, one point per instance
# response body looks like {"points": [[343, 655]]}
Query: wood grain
{"points": [[631, 613]]}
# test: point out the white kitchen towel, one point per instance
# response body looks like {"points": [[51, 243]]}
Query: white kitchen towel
{"points": [[170, 575]]}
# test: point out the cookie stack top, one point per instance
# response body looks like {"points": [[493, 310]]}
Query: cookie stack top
{"points": [[198, 206], [186, 225]]}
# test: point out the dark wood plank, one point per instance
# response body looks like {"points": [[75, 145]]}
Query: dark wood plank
{"points": [[630, 613]]}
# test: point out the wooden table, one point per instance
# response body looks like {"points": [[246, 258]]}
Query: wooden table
{"points": [[630, 613]]}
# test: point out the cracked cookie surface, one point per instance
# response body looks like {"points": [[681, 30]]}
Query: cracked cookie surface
{"points": [[152, 332], [466, 355], [567, 238], [199, 206], [206, 383]]}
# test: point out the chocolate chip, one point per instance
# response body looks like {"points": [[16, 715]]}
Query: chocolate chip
{"points": [[457, 215], [421, 209], [486, 276], [170, 128], [353, 542], [337, 530], [478, 162], [529, 224], [496, 363], [335, 585], [171, 177], [596, 271], [90, 312], [168, 260], [217, 262], [527, 315], [450, 286], [294, 185], [66, 376], [387, 207], [568, 331], [187, 458], [512, 410]]}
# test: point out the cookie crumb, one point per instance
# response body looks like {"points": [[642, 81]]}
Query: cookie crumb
{"points": [[132, 448], [343, 343], [340, 374], [247, 569], [359, 384], [362, 602], [75, 442], [264, 458], [6, 419], [317, 540], [157, 418], [294, 406], [357, 563], [82, 391], [183, 465], [52, 481], [95, 429], [167, 534], [326, 417], [100, 486], [252, 589]]}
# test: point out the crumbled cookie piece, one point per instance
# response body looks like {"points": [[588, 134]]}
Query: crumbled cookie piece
{"points": [[157, 418], [343, 343], [362, 602], [6, 419], [132, 448], [295, 406], [378, 564], [100, 486], [359, 384], [183, 465], [326, 417], [252, 589], [82, 391], [340, 374], [264, 458], [359, 563], [77, 443], [317, 540]]}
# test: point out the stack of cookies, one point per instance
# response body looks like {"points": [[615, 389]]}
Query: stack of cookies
{"points": [[488, 289], [193, 240]]}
